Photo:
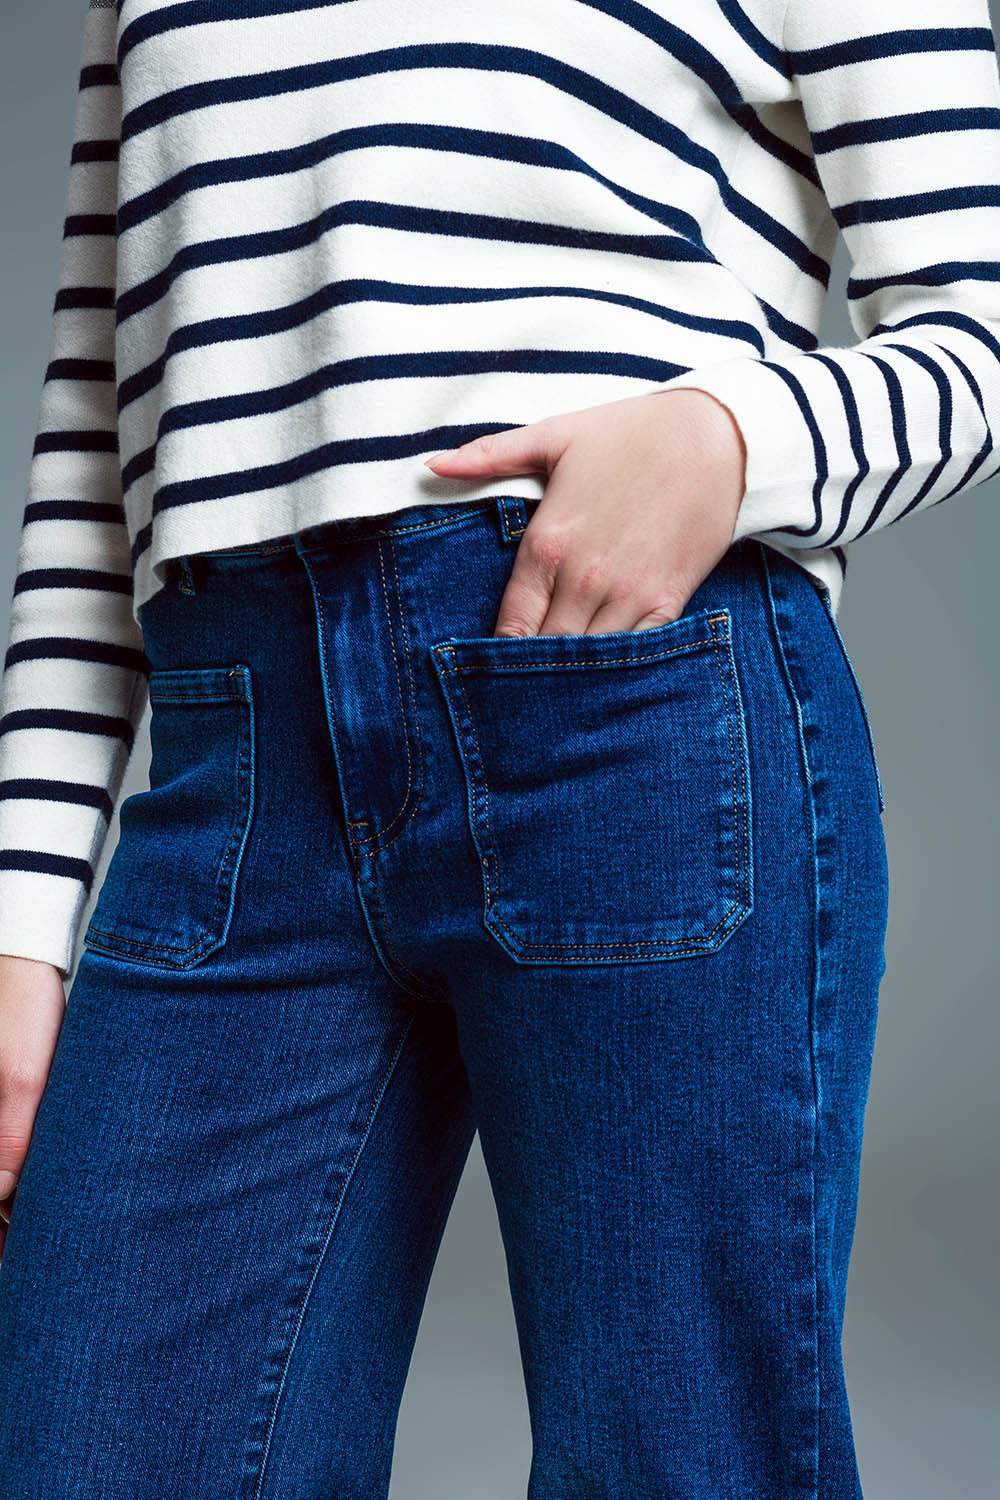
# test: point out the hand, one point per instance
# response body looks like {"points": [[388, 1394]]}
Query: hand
{"points": [[640, 504], [32, 1005]]}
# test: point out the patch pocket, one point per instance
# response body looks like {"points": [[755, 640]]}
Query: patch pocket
{"points": [[608, 788], [168, 895]]}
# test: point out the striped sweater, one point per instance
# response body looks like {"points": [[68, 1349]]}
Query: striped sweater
{"points": [[308, 244]]}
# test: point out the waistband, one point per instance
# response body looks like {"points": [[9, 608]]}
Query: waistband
{"points": [[512, 510], [512, 513]]}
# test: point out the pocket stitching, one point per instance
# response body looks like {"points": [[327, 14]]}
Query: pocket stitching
{"points": [[562, 663], [741, 802], [225, 887]]}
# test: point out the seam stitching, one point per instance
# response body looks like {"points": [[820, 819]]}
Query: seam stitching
{"points": [[717, 640], [320, 1256], [382, 837], [813, 1484]]}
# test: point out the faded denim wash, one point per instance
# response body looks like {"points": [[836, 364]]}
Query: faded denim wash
{"points": [[618, 900]]}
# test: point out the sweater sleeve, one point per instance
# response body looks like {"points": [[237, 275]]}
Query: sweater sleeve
{"points": [[75, 682], [903, 114]]}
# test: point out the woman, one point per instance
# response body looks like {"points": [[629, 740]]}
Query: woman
{"points": [[525, 788]]}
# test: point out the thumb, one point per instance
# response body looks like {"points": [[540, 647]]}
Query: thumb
{"points": [[515, 450]]}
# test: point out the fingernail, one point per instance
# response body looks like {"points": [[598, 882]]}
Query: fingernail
{"points": [[8, 1182], [445, 453]]}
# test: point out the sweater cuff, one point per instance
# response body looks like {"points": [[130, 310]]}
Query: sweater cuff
{"points": [[40, 916], [780, 454]]}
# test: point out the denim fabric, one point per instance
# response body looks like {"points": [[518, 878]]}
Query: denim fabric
{"points": [[617, 900]]}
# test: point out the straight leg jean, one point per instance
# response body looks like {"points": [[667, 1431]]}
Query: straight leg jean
{"points": [[617, 901]]}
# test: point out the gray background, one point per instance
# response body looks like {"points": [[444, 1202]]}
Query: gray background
{"points": [[919, 617]]}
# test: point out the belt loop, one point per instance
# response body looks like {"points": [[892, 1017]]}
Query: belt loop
{"points": [[512, 515]]}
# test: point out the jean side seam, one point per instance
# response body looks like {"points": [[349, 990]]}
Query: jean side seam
{"points": [[725, 660], [811, 1486]]}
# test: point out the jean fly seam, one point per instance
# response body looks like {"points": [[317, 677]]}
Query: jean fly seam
{"points": [[420, 989], [331, 719], [320, 1256], [383, 837], [359, 864], [812, 1485]]}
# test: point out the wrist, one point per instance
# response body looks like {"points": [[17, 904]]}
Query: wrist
{"points": [[721, 445]]}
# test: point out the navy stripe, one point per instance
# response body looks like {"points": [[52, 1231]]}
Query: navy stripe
{"points": [[672, 39], [75, 442], [897, 412], [477, 143], [255, 246], [376, 449], [200, 12], [69, 648], [84, 296], [819, 446], [503, 147], [89, 224], [896, 43], [343, 293], [863, 467], [75, 368], [435, 366], [783, 327], [73, 578], [934, 370], [490, 58], [712, 74], [903, 127], [967, 375], [39, 863], [423, 221], [767, 50], [913, 205], [942, 274], [98, 75], [37, 788], [340, 451], [71, 721], [90, 151], [74, 510], [947, 317]]}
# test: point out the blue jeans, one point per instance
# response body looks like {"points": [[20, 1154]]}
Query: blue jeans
{"points": [[618, 900]]}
